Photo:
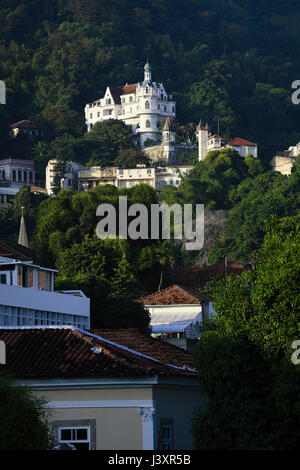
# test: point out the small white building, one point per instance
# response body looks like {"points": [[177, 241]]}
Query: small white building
{"points": [[208, 142], [284, 161], [177, 313], [69, 180], [144, 106]]}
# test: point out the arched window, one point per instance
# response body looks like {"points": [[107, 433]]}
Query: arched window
{"points": [[147, 90], [147, 105], [148, 123], [108, 101], [161, 96]]}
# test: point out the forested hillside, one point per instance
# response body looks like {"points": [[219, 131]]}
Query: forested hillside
{"points": [[232, 60]]}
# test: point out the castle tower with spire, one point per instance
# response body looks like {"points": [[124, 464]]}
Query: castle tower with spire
{"points": [[23, 240], [202, 136], [168, 140]]}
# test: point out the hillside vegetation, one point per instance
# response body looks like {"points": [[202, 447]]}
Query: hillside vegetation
{"points": [[222, 59]]}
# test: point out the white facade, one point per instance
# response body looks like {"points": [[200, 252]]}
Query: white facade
{"points": [[27, 298], [69, 181], [127, 178], [158, 177], [181, 319], [284, 161], [208, 142], [15, 173], [170, 175], [144, 106]]}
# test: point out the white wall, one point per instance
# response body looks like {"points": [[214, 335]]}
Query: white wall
{"points": [[21, 297]]}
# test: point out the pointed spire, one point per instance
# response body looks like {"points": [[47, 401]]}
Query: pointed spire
{"points": [[22, 240], [147, 72], [168, 125], [199, 127]]}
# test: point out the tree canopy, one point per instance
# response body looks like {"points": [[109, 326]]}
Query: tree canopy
{"points": [[244, 354], [24, 420], [254, 201], [237, 74]]}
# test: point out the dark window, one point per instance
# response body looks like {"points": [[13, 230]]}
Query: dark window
{"points": [[166, 434], [79, 437]]}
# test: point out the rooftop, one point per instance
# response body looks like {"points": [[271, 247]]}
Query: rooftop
{"points": [[147, 345], [67, 352], [23, 123], [175, 295], [12, 249], [238, 141]]}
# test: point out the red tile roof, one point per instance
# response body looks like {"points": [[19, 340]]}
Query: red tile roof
{"points": [[175, 295], [237, 142], [69, 353], [37, 188], [24, 123], [129, 88], [215, 136], [133, 339]]}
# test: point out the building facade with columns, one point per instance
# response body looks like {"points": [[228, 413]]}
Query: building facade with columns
{"points": [[144, 106], [15, 172]]}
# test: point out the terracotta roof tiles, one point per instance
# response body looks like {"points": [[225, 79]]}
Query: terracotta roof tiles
{"points": [[133, 339], [23, 123], [67, 352], [237, 142], [175, 295], [129, 88]]}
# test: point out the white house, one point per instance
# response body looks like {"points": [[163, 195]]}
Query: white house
{"points": [[69, 180], [144, 106], [176, 314], [208, 142], [283, 161]]}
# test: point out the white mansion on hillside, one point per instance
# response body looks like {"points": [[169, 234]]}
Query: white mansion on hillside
{"points": [[143, 105]]}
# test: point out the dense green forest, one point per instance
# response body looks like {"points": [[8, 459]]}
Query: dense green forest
{"points": [[222, 59]]}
